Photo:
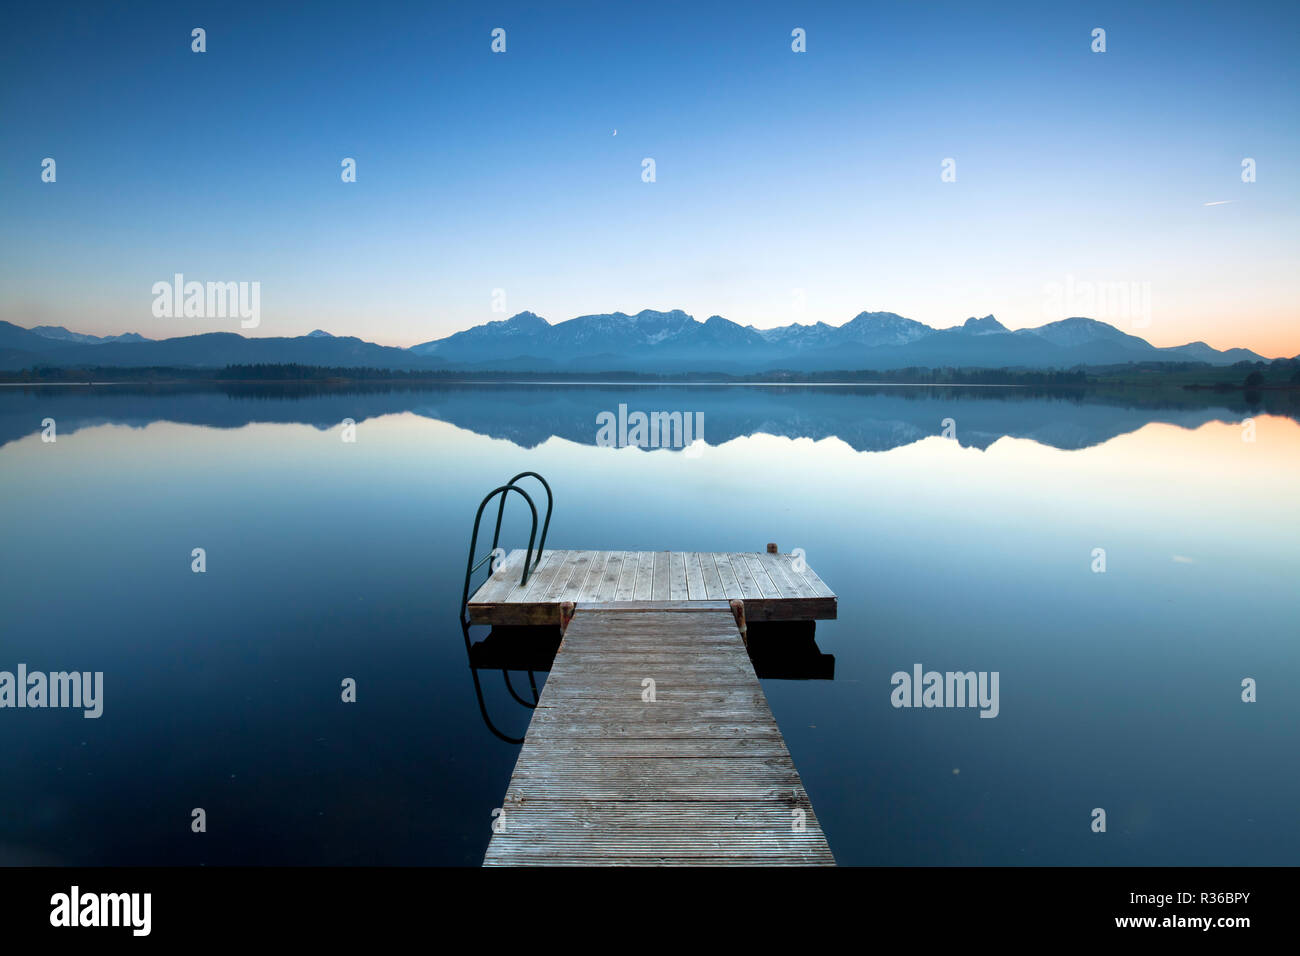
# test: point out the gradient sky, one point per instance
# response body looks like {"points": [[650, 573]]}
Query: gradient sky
{"points": [[776, 171]]}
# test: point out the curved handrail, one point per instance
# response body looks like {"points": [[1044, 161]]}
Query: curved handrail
{"points": [[550, 504], [478, 690], [470, 566]]}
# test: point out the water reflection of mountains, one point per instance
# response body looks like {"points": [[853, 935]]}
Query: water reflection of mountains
{"points": [[866, 418]]}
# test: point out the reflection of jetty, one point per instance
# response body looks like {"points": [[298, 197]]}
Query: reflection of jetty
{"points": [[652, 742]]}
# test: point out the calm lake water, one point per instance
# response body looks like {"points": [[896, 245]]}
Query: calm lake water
{"points": [[327, 560]]}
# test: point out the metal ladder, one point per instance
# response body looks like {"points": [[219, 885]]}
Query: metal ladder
{"points": [[530, 563]]}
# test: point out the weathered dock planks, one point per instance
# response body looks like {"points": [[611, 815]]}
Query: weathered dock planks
{"points": [[700, 775], [774, 587]]}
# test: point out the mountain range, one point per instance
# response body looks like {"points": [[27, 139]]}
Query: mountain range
{"points": [[649, 341]]}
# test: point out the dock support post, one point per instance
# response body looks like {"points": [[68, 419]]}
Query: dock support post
{"points": [[738, 612]]}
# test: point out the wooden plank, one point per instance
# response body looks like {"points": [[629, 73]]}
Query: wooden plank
{"points": [[749, 590], [668, 657], [646, 718], [553, 564], [698, 775], [591, 585], [648, 814], [660, 586], [562, 586], [665, 654], [645, 576], [694, 578], [720, 687], [761, 577], [607, 786], [609, 808], [519, 590], [669, 747], [655, 606], [712, 583], [810, 609], [516, 614], [791, 609], [622, 684], [727, 576], [627, 579], [685, 727], [500, 581], [677, 576], [613, 569], [783, 576], [817, 584], [683, 694], [594, 700], [661, 860]]}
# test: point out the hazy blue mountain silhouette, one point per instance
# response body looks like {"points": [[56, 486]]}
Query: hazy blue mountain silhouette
{"points": [[59, 334], [210, 350], [649, 341], [867, 419], [674, 341]]}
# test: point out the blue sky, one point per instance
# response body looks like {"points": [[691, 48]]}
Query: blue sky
{"points": [[789, 186]]}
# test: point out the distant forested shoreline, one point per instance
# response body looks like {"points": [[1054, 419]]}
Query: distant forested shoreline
{"points": [[1278, 374]]}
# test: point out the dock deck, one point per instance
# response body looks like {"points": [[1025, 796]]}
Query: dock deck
{"points": [[773, 587], [652, 742]]}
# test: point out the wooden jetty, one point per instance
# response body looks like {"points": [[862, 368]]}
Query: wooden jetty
{"points": [[652, 742], [773, 587]]}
